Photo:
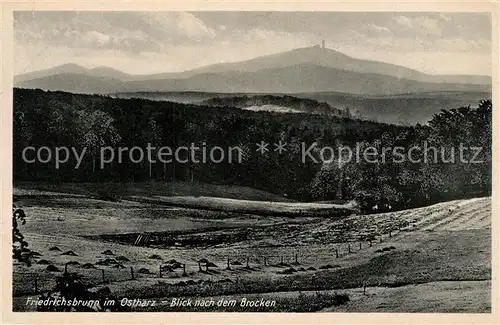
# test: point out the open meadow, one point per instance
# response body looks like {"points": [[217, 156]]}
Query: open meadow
{"points": [[375, 259]]}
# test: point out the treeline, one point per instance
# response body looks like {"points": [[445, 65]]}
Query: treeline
{"points": [[55, 119], [301, 104]]}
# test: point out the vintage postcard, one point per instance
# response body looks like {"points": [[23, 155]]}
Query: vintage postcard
{"points": [[249, 163]]}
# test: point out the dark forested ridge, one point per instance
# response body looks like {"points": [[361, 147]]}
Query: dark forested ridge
{"points": [[405, 109], [56, 119], [299, 104]]}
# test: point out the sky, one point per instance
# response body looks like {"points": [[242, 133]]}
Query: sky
{"points": [[154, 42]]}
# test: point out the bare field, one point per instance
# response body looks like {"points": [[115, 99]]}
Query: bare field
{"points": [[450, 241], [249, 206], [146, 188]]}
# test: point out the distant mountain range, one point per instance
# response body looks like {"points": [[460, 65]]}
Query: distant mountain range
{"points": [[310, 69]]}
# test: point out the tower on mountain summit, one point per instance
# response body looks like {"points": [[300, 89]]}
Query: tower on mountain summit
{"points": [[323, 44]]}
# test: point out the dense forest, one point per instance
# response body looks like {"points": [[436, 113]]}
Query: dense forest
{"points": [[55, 119], [301, 104]]}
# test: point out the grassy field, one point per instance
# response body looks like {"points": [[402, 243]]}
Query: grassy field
{"points": [[450, 241], [251, 207], [234, 199], [145, 189], [439, 296]]}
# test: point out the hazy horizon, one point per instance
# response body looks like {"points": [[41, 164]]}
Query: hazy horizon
{"points": [[159, 72], [160, 42]]}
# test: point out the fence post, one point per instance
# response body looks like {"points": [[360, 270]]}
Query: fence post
{"points": [[132, 272], [248, 259], [360, 246], [228, 267], [184, 270], [102, 270], [296, 259], [349, 247], [336, 253]]}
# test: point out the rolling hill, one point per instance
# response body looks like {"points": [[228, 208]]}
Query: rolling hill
{"points": [[328, 58], [310, 69], [74, 69], [78, 83], [409, 108], [285, 104], [398, 109], [293, 79]]}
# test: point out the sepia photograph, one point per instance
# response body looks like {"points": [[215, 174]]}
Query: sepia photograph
{"points": [[252, 161]]}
